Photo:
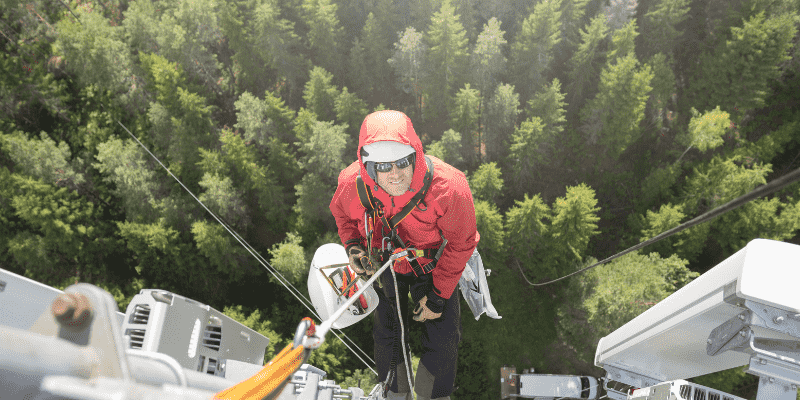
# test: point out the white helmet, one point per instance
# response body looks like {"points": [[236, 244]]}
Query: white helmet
{"points": [[330, 272], [385, 151]]}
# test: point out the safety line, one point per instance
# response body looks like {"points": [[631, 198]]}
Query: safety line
{"points": [[760, 191], [255, 254]]}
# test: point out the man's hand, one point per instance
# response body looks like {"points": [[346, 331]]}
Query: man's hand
{"points": [[360, 262], [422, 312]]}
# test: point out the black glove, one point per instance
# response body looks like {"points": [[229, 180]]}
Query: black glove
{"points": [[359, 261]]}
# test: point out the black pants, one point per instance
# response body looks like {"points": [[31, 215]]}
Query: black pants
{"points": [[440, 337]]}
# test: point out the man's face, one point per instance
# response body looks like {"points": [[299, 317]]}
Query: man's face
{"points": [[397, 181]]}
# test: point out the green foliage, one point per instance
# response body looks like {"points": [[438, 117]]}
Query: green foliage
{"points": [[761, 218], [686, 244], [446, 61], [43, 159], [663, 84], [661, 23], [362, 378], [408, 62], [532, 51], [215, 243], [657, 187], [623, 41], [706, 130], [574, 220], [487, 60], [548, 105], [320, 95], [588, 60], [528, 230], [350, 111], [262, 119], [59, 237], [324, 33], [464, 117], [255, 322], [93, 50], [472, 379], [490, 225], [322, 161], [486, 183], [448, 149], [500, 120], [736, 76], [223, 199], [122, 164], [329, 357], [525, 151], [607, 297], [612, 118], [721, 181], [289, 259]]}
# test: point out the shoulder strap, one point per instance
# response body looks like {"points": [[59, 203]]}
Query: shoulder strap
{"points": [[371, 204], [426, 184]]}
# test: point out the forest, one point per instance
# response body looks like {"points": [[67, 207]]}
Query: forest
{"points": [[583, 126]]}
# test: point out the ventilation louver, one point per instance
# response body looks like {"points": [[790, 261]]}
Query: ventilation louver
{"points": [[137, 337], [212, 337], [140, 315], [212, 366]]}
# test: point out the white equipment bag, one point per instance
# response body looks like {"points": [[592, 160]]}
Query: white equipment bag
{"points": [[475, 289], [325, 282]]}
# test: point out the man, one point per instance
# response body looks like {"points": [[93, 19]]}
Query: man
{"points": [[392, 170]]}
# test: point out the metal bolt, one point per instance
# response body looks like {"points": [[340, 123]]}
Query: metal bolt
{"points": [[709, 341], [72, 310], [771, 380], [741, 317], [778, 319], [742, 333], [762, 361]]}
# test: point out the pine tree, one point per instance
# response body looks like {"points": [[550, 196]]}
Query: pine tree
{"points": [[500, 119], [532, 51], [735, 77], [447, 59], [464, 119], [612, 118], [587, 61], [409, 62], [320, 94], [660, 26], [325, 33], [487, 61]]}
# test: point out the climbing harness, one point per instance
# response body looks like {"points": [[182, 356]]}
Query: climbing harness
{"points": [[392, 241]]}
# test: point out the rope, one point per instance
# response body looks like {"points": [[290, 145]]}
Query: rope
{"points": [[285, 282], [760, 191]]}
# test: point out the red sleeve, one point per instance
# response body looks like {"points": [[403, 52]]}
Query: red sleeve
{"points": [[458, 226], [341, 207]]}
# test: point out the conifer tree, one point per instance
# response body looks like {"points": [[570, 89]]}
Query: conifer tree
{"points": [[735, 77], [532, 50], [325, 33], [447, 59], [320, 94], [587, 61], [612, 118], [660, 26], [500, 119], [464, 119], [409, 64], [487, 61]]}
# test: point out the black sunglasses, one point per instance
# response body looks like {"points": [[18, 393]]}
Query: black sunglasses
{"points": [[401, 163]]}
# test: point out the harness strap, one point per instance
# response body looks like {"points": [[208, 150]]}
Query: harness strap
{"points": [[375, 207]]}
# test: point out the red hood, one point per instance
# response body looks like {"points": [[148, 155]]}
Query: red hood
{"points": [[394, 126]]}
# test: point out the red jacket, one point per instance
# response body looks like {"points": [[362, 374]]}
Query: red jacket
{"points": [[449, 205]]}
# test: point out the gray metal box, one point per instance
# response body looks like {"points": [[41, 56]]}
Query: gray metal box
{"points": [[197, 336]]}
